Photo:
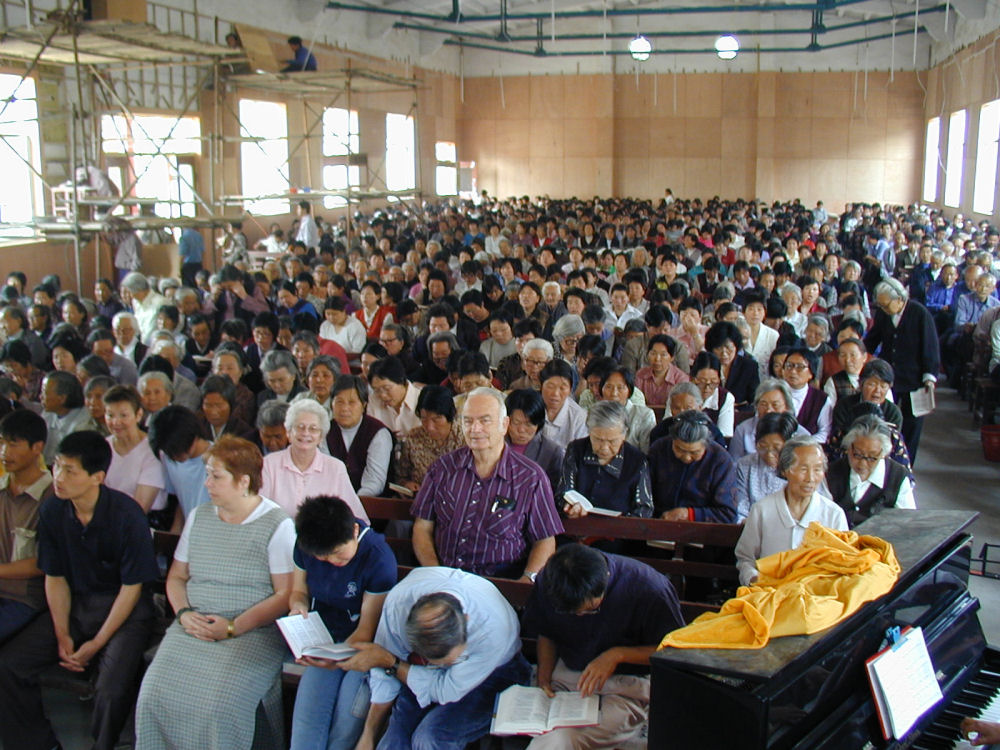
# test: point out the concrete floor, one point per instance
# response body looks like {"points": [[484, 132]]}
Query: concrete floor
{"points": [[951, 474]]}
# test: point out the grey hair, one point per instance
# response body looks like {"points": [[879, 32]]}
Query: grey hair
{"points": [[788, 458], [893, 289], [156, 375], [307, 406], [607, 415], [774, 384], [168, 283], [135, 282], [436, 625], [184, 292], [853, 264], [938, 255], [869, 426], [440, 336], [821, 321], [568, 325], [790, 287], [277, 359], [687, 388], [485, 390], [550, 284], [165, 343], [272, 413], [691, 427], [124, 315], [541, 345]]}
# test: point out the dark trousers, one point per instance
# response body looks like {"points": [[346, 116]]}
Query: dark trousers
{"points": [[912, 426], [454, 725], [188, 271], [23, 724]]}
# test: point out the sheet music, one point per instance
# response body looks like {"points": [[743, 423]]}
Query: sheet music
{"points": [[905, 677], [922, 401]]}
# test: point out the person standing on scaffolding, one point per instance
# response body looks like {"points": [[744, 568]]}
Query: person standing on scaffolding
{"points": [[303, 60]]}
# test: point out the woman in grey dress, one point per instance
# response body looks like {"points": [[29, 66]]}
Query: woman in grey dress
{"points": [[217, 672]]}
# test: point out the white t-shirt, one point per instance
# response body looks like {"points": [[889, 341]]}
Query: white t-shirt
{"points": [[279, 549], [138, 466]]}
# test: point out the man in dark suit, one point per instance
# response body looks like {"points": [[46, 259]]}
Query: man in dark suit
{"points": [[906, 332]]}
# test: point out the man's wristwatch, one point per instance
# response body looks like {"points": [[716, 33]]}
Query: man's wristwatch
{"points": [[391, 671]]}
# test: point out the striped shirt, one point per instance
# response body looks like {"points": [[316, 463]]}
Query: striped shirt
{"points": [[485, 526]]}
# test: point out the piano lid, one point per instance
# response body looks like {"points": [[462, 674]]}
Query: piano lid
{"points": [[916, 536]]}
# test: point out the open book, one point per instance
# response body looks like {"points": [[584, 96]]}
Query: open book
{"points": [[528, 710], [308, 636], [404, 491], [903, 683], [575, 498]]}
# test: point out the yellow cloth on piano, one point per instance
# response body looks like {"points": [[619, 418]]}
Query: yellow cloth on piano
{"points": [[800, 591]]}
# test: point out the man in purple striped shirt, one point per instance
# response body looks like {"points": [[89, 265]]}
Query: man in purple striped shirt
{"points": [[484, 508]]}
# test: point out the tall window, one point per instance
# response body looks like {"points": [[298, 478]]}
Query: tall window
{"points": [[400, 153], [446, 171], [340, 140], [931, 158], [984, 193], [157, 153], [955, 161], [264, 160], [21, 193], [340, 132]]}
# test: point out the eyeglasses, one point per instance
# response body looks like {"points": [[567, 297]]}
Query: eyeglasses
{"points": [[796, 366], [387, 341], [707, 383], [536, 362], [309, 429], [862, 457]]}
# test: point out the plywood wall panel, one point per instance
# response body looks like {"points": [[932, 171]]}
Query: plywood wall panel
{"points": [[592, 137], [829, 138], [702, 136], [737, 137], [865, 139], [666, 136], [792, 137], [703, 95], [631, 138], [546, 96]]}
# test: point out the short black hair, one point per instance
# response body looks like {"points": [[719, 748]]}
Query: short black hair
{"points": [[530, 402], [173, 430], [156, 363], [574, 575], [721, 332], [557, 368], [94, 365], [89, 447], [808, 355], [221, 384], [776, 423], [269, 320], [436, 625], [436, 399], [322, 524], [24, 424], [389, 368], [16, 351], [878, 368]]}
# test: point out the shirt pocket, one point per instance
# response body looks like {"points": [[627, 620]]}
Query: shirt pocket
{"points": [[501, 523], [25, 543]]}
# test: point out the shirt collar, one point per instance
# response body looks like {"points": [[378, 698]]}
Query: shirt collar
{"points": [[877, 477], [314, 467], [502, 469], [35, 490], [614, 467]]}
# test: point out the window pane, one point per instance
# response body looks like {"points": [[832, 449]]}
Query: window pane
{"points": [[264, 163], [446, 180], [444, 151], [340, 130], [339, 177], [986, 158], [400, 158], [21, 195], [956, 155], [931, 158]]}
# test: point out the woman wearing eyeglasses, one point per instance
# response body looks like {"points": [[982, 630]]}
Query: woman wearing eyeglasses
{"points": [[812, 407], [718, 404], [301, 470]]}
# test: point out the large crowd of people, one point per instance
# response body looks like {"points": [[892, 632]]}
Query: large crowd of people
{"points": [[696, 361]]}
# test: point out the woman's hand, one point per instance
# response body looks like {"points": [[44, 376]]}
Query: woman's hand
{"points": [[205, 627], [412, 486], [298, 608], [313, 661], [574, 510]]}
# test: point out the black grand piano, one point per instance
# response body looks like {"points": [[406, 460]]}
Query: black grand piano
{"points": [[811, 692]]}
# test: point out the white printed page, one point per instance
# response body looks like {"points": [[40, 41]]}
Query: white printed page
{"points": [[906, 677], [522, 710], [573, 710], [303, 632]]}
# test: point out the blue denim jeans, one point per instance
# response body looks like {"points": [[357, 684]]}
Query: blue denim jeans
{"points": [[454, 725], [330, 709]]}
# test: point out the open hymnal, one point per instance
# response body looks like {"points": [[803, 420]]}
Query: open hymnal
{"points": [[400, 489], [308, 636], [575, 498], [528, 710], [903, 683]]}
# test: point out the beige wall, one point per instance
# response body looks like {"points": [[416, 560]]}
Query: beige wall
{"points": [[815, 136], [966, 80]]}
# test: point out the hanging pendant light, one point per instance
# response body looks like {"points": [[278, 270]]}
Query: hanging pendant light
{"points": [[726, 47], [639, 48]]}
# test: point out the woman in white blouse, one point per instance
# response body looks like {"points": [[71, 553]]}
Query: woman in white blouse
{"points": [[762, 340], [779, 521]]}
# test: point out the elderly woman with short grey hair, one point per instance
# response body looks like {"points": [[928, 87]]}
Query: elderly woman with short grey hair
{"points": [[535, 354], [779, 521], [606, 469], [867, 479], [156, 391], [281, 377], [772, 396], [566, 333], [693, 477], [301, 470]]}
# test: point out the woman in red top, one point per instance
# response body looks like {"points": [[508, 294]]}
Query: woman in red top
{"points": [[373, 315]]}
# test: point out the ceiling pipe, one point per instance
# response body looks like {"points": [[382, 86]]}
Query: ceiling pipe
{"points": [[702, 51], [812, 30], [767, 7]]}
